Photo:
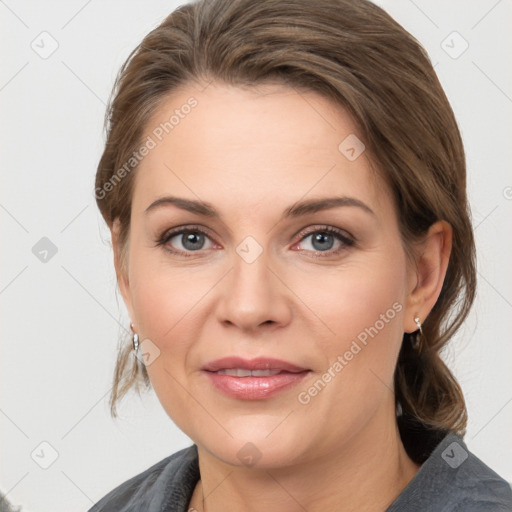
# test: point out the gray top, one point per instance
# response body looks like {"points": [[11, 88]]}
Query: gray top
{"points": [[452, 479]]}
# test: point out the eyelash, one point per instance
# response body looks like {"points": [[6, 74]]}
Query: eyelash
{"points": [[338, 234]]}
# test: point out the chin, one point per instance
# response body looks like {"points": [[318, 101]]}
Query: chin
{"points": [[256, 445]]}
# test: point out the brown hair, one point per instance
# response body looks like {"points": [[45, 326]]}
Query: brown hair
{"points": [[354, 54]]}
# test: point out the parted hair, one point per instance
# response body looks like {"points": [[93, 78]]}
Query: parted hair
{"points": [[355, 55]]}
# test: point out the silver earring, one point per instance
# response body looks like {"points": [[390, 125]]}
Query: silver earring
{"points": [[419, 337], [418, 323], [135, 339]]}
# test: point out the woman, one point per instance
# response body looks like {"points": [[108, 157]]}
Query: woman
{"points": [[285, 186]]}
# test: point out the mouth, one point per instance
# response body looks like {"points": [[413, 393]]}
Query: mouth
{"points": [[253, 365], [253, 379], [242, 372]]}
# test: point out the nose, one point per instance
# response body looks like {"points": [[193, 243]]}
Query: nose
{"points": [[254, 296]]}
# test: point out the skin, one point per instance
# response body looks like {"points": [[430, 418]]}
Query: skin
{"points": [[252, 153]]}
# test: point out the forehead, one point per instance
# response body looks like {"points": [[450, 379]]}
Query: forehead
{"points": [[253, 148]]}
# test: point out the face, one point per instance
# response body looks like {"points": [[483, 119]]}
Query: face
{"points": [[257, 274]]}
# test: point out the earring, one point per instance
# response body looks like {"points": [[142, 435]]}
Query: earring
{"points": [[135, 339], [418, 323], [418, 342]]}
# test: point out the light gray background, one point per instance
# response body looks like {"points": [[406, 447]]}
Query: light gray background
{"points": [[60, 318]]}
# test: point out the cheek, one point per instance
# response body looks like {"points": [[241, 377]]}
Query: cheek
{"points": [[360, 307], [354, 296], [170, 305], [164, 298]]}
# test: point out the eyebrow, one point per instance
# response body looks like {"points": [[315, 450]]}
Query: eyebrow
{"points": [[296, 210]]}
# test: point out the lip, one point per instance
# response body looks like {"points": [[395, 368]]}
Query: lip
{"points": [[254, 388], [260, 363]]}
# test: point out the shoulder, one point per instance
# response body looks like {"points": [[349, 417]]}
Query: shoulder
{"points": [[170, 481], [478, 487], [453, 479]]}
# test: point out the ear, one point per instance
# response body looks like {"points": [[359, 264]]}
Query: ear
{"points": [[427, 273], [121, 266]]}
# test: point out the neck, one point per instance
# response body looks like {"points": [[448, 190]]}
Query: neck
{"points": [[364, 475]]}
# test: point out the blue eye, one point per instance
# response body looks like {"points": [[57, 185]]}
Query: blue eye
{"points": [[323, 240], [191, 239]]}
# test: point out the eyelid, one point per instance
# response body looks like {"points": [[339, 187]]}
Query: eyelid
{"points": [[171, 233], [325, 228]]}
